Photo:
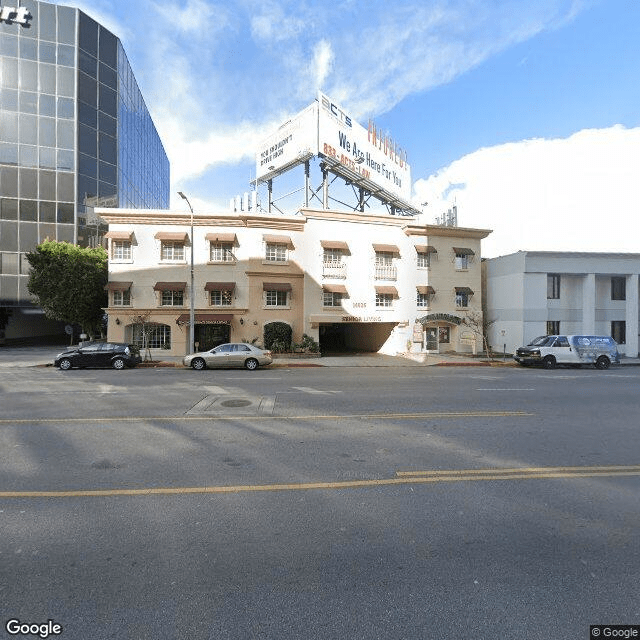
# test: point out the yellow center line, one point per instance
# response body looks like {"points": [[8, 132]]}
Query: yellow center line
{"points": [[218, 417], [472, 475]]}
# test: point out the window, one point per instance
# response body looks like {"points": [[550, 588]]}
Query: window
{"points": [[619, 331], [332, 299], [172, 250], [553, 286], [221, 252], [618, 288], [462, 299], [172, 298], [384, 258], [151, 336], [424, 260], [332, 256], [462, 261], [275, 298], [553, 327], [422, 300], [384, 300], [221, 298], [122, 298], [121, 249], [276, 252]]}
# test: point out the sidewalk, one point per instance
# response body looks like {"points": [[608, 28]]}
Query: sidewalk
{"points": [[34, 356]]}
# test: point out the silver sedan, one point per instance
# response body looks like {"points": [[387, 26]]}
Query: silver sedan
{"points": [[235, 354]]}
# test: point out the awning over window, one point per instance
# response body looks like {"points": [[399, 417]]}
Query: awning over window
{"points": [[206, 318], [426, 290], [118, 286], [334, 288], [466, 290], [276, 286], [388, 290], [278, 240], [170, 286], [335, 244], [119, 235], [425, 248], [227, 238], [219, 286], [387, 248], [175, 236], [463, 251]]}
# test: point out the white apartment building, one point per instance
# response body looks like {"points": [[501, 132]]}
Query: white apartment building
{"points": [[534, 293], [349, 280]]}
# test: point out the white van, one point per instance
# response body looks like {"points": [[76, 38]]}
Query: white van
{"points": [[548, 351]]}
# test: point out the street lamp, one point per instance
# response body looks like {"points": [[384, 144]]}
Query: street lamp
{"points": [[192, 312]]}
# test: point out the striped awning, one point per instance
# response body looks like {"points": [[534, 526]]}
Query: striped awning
{"points": [[227, 238], [278, 240], [119, 235], [118, 286], [425, 248], [334, 288], [426, 290], [388, 291], [386, 248], [462, 251], [276, 286], [170, 286], [466, 290], [220, 286], [334, 244], [175, 236]]}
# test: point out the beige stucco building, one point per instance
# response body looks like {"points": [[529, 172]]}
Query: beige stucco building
{"points": [[349, 280]]}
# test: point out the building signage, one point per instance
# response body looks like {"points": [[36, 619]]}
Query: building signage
{"points": [[440, 317], [361, 319], [20, 15], [365, 156]]}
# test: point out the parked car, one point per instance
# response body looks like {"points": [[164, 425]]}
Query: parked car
{"points": [[233, 354], [575, 351], [99, 354]]}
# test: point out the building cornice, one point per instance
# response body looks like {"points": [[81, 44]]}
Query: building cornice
{"points": [[353, 216], [450, 232]]}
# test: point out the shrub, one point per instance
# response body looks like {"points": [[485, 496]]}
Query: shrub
{"points": [[277, 337]]}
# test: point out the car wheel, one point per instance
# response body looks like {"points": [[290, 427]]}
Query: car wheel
{"points": [[549, 362], [603, 362], [65, 364], [118, 363], [199, 364], [251, 364]]}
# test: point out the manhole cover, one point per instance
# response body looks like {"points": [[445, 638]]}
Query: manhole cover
{"points": [[236, 403]]}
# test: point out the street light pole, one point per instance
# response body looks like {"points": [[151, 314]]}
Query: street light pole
{"points": [[192, 313]]}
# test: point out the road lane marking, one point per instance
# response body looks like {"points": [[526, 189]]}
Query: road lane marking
{"points": [[505, 389], [366, 416], [427, 477]]}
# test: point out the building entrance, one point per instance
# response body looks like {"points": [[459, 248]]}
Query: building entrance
{"points": [[207, 336], [345, 337]]}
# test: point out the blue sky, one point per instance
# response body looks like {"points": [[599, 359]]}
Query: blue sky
{"points": [[525, 114]]}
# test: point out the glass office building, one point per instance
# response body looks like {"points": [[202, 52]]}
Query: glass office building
{"points": [[75, 134]]}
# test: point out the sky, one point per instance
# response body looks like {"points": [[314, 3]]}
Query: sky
{"points": [[525, 115]]}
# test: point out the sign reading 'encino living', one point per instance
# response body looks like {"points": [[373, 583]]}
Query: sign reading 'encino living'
{"points": [[19, 15]]}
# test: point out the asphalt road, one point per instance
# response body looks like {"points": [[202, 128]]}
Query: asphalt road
{"points": [[320, 503]]}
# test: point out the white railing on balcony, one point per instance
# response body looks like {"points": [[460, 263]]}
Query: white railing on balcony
{"points": [[334, 269], [386, 272]]}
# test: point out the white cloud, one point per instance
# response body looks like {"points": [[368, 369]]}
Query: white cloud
{"points": [[575, 194]]}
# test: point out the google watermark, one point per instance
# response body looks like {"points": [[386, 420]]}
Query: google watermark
{"points": [[46, 629]]}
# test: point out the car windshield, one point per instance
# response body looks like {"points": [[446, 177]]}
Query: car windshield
{"points": [[541, 341]]}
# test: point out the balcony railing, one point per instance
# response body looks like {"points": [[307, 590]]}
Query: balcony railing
{"points": [[334, 269], [386, 272]]}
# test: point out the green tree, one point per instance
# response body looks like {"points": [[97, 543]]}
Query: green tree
{"points": [[68, 282]]}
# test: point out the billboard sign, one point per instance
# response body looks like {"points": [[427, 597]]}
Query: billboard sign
{"points": [[367, 157], [293, 143], [368, 153]]}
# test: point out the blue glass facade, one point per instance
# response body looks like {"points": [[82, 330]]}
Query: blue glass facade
{"points": [[75, 133]]}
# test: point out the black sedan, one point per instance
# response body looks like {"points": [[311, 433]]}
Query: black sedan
{"points": [[99, 354]]}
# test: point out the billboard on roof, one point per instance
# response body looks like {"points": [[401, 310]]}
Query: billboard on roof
{"points": [[367, 157]]}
